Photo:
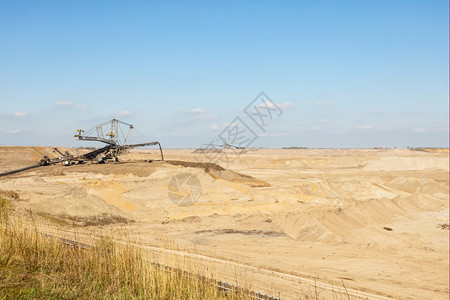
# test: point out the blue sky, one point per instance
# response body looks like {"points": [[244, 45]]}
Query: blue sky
{"points": [[345, 73]]}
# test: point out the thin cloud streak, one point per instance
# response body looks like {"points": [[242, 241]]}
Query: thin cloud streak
{"points": [[124, 113], [364, 126], [19, 114], [13, 131], [69, 104], [196, 110]]}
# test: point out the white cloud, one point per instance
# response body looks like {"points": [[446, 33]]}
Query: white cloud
{"points": [[205, 117], [420, 129], [222, 126], [69, 104], [287, 105], [268, 104], [195, 111], [284, 105], [124, 113], [381, 111], [63, 103], [14, 131], [230, 125], [200, 114], [364, 126], [324, 103], [315, 128], [19, 114]]}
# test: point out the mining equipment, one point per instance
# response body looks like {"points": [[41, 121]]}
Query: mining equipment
{"points": [[112, 133], [223, 145]]}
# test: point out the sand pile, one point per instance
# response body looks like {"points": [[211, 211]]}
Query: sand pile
{"points": [[408, 163]]}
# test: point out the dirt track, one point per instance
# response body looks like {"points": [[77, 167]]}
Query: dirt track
{"points": [[368, 218]]}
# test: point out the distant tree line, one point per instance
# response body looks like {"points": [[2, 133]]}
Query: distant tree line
{"points": [[294, 147]]}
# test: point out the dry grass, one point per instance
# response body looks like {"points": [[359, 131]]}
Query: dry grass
{"points": [[34, 266], [101, 220]]}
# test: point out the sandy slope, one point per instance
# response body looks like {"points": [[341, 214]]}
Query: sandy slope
{"points": [[369, 218]]}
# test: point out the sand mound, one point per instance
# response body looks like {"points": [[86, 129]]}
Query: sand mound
{"points": [[237, 178], [419, 185], [408, 163], [333, 226], [218, 172]]}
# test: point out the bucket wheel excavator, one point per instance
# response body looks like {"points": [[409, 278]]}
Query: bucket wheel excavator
{"points": [[113, 133]]}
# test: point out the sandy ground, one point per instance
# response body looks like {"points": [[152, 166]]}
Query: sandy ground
{"points": [[374, 220]]}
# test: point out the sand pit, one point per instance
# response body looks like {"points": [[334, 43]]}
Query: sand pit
{"points": [[374, 219]]}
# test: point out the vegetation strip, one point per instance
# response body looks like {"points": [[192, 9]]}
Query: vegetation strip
{"points": [[221, 285], [349, 292]]}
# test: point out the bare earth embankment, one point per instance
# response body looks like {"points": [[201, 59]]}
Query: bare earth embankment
{"points": [[375, 221]]}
